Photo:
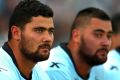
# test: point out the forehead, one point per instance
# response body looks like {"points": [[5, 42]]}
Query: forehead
{"points": [[100, 24], [40, 21]]}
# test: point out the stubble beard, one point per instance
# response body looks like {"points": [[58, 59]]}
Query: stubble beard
{"points": [[25, 50], [85, 54]]}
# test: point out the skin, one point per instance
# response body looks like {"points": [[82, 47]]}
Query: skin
{"points": [[89, 45], [33, 43]]}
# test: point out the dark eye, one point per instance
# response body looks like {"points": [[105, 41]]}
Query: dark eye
{"points": [[51, 31], [98, 35], [109, 36], [38, 30]]}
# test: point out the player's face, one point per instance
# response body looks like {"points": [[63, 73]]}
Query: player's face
{"points": [[96, 41], [37, 39]]}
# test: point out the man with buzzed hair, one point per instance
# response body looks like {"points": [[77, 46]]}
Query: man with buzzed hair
{"points": [[88, 46]]}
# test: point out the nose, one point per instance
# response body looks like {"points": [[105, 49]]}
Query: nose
{"points": [[48, 37], [106, 42]]}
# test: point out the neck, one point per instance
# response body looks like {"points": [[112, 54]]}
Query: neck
{"points": [[82, 67], [24, 65]]}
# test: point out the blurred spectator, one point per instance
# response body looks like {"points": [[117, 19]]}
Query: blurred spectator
{"points": [[116, 29], [3, 30], [6, 7], [2, 6]]}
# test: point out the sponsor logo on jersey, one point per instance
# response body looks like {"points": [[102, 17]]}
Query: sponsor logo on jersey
{"points": [[114, 68], [55, 64]]}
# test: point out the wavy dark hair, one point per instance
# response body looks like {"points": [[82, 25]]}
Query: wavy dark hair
{"points": [[25, 10]]}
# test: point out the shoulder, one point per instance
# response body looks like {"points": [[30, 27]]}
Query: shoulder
{"points": [[55, 71], [57, 51], [5, 61], [58, 57], [98, 73], [39, 73], [7, 67], [113, 61], [113, 54], [59, 71], [112, 65], [7, 73], [58, 65]]}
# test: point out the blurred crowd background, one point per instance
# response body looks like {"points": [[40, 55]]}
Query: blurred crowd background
{"points": [[64, 13]]}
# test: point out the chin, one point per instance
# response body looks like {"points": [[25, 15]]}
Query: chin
{"points": [[45, 57], [98, 62], [101, 62]]}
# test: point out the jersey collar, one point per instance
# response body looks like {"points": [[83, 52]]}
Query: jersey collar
{"points": [[7, 48], [118, 49], [67, 50]]}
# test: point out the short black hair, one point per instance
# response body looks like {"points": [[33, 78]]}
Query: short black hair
{"points": [[116, 23], [25, 10], [86, 14]]}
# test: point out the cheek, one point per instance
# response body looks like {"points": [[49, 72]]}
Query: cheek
{"points": [[37, 38], [92, 44], [30, 42], [52, 38]]}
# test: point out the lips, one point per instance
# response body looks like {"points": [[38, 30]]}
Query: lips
{"points": [[103, 50], [102, 53], [45, 46]]}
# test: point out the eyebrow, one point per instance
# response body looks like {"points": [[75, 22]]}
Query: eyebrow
{"points": [[100, 30], [40, 27]]}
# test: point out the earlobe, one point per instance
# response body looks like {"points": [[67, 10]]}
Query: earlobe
{"points": [[16, 32]]}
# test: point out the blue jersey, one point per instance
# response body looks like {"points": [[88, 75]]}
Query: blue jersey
{"points": [[112, 66], [9, 71], [61, 66]]}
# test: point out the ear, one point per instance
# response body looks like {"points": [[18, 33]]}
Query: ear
{"points": [[76, 35], [16, 32]]}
